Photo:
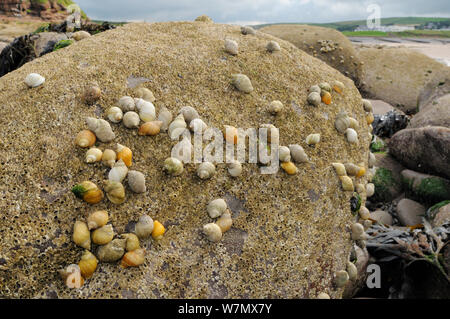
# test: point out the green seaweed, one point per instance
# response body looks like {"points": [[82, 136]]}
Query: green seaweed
{"points": [[433, 190], [378, 146], [79, 191], [383, 181], [62, 44], [42, 28]]}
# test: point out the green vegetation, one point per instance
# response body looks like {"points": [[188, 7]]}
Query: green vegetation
{"points": [[62, 44], [42, 28], [383, 181], [378, 146], [433, 190]]}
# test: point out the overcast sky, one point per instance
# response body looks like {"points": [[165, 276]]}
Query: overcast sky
{"points": [[257, 11]]}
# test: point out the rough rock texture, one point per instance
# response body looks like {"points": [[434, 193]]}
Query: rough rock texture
{"points": [[437, 86], [424, 187], [326, 44], [380, 107], [290, 234], [442, 216], [44, 42], [425, 149], [398, 75], [435, 113], [50, 10], [409, 212]]}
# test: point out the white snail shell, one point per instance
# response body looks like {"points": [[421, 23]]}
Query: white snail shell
{"points": [[313, 139], [212, 232], [341, 278], [357, 231], [352, 136], [198, 126], [284, 154], [273, 46], [178, 123], [314, 98], [242, 83], [146, 110], [34, 80], [93, 155], [235, 168], [298, 153], [144, 227], [118, 172], [101, 128], [315, 88], [347, 183], [166, 117], [370, 189], [275, 107], [364, 213], [231, 47], [342, 122], [353, 123], [372, 160], [367, 105], [136, 181], [206, 170], [173, 166], [114, 114], [126, 103], [131, 119], [189, 113], [145, 94], [216, 208], [352, 271], [109, 158]]}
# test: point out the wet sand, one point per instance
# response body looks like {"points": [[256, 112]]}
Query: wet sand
{"points": [[438, 49]]}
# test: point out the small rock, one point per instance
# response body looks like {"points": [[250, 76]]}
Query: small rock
{"points": [[382, 217], [409, 212]]}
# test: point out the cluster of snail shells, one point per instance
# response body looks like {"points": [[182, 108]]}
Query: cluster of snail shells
{"points": [[217, 209], [367, 106], [322, 92], [344, 171], [347, 125]]}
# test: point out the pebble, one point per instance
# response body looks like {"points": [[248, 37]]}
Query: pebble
{"points": [[410, 212]]}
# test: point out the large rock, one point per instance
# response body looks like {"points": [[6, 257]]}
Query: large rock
{"points": [[435, 113], [387, 179], [290, 233], [439, 214], [328, 45], [424, 149], [50, 10], [424, 187], [382, 217], [44, 42], [398, 75], [410, 212]]}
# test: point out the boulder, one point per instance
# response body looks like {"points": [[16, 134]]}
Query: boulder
{"points": [[424, 187], [290, 233], [435, 113], [398, 75], [387, 179], [382, 217], [409, 212], [380, 107], [439, 214], [424, 149], [326, 44], [44, 42]]}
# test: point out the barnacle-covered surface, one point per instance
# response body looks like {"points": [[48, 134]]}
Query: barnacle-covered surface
{"points": [[328, 45], [290, 234]]}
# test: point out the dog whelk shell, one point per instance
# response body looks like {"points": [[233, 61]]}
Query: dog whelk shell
{"points": [[144, 227], [340, 169], [235, 168], [352, 271], [289, 168], [132, 242], [146, 110], [88, 264], [351, 135], [118, 172], [284, 154], [85, 139], [298, 153], [81, 235], [357, 231], [206, 170], [247, 30], [313, 139], [173, 166], [216, 208], [126, 103], [314, 98], [212, 232], [275, 107], [178, 123], [136, 181], [325, 86], [133, 258], [151, 128], [114, 114], [198, 126], [115, 192], [370, 190], [97, 219], [131, 119], [103, 235], [109, 158], [88, 191], [273, 46], [315, 88], [342, 122], [242, 83], [372, 160], [93, 155], [158, 230], [353, 123], [125, 154], [341, 278], [91, 95], [367, 105], [347, 183], [34, 80], [225, 222], [338, 86], [101, 129], [189, 114], [231, 47], [112, 251], [364, 213], [145, 94], [165, 117]]}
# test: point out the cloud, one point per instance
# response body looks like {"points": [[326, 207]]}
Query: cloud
{"points": [[233, 11]]}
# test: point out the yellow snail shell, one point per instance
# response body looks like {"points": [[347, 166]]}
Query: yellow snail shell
{"points": [[367, 105], [352, 136], [340, 169], [341, 278], [313, 139], [151, 128], [347, 183], [88, 264], [352, 271], [275, 107], [115, 192], [370, 189], [145, 94], [133, 258], [173, 166], [124, 154], [342, 122], [132, 242], [85, 139], [103, 235], [225, 222], [81, 235], [357, 231], [93, 155], [114, 114], [97, 219], [112, 251], [131, 119], [284, 154], [109, 158]]}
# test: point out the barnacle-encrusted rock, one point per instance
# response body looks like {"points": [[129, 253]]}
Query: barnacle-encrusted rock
{"points": [[306, 213]]}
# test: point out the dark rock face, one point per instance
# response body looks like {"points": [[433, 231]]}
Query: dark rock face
{"points": [[47, 10], [423, 149], [390, 123]]}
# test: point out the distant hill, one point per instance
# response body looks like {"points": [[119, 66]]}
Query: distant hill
{"points": [[351, 25]]}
